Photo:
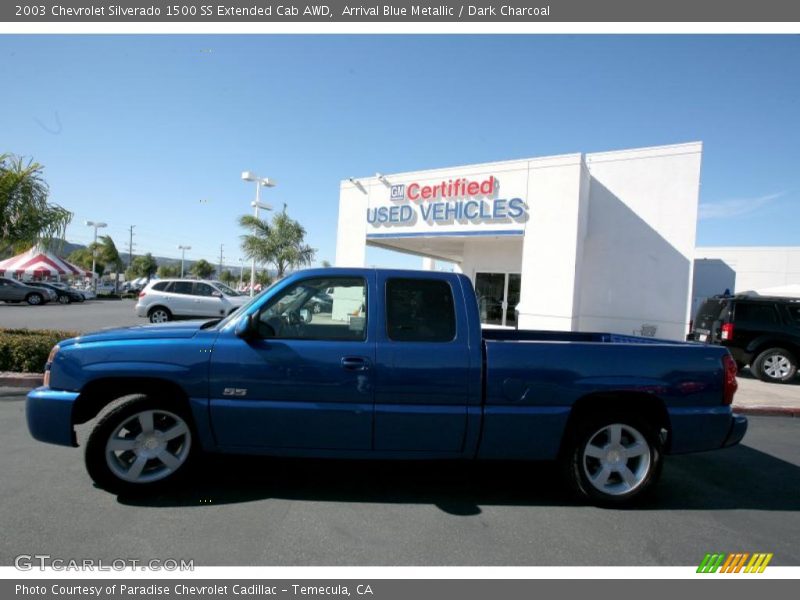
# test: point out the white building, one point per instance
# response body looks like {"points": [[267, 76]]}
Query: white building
{"points": [[591, 242]]}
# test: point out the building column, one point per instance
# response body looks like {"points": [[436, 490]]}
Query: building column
{"points": [[351, 233]]}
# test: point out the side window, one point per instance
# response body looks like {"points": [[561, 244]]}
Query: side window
{"points": [[756, 313], [161, 286], [181, 287], [420, 310], [322, 308], [203, 289], [794, 313]]}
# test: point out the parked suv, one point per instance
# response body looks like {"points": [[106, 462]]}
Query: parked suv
{"points": [[760, 331], [15, 291], [167, 299]]}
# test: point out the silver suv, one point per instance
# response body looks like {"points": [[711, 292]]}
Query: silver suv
{"points": [[15, 291], [167, 299]]}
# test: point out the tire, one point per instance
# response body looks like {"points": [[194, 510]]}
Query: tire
{"points": [[317, 308], [775, 365], [140, 447], [159, 314], [64, 300], [34, 299], [594, 460]]}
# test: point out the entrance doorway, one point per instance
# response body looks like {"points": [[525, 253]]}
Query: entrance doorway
{"points": [[498, 296]]}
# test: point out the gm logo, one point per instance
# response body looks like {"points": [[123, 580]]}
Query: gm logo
{"points": [[398, 192]]}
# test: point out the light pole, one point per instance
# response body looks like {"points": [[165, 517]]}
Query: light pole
{"points": [[97, 225], [266, 182], [183, 250]]}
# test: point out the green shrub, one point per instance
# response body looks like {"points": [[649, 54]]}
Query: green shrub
{"points": [[26, 350]]}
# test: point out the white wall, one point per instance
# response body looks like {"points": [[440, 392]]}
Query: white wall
{"points": [[351, 241], [758, 266], [639, 247], [552, 238]]}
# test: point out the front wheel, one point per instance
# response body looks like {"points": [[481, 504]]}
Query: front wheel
{"points": [[63, 300], [140, 446], [775, 365], [613, 460]]}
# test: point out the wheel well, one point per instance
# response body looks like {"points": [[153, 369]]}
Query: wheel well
{"points": [[102, 392], [646, 406], [783, 344], [155, 306]]}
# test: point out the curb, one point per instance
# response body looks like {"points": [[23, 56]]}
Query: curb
{"points": [[21, 380], [767, 411]]}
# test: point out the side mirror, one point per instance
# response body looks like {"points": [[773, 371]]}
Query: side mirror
{"points": [[245, 328], [305, 314]]}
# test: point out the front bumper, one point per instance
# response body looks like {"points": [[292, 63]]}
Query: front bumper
{"points": [[737, 431], [49, 416]]}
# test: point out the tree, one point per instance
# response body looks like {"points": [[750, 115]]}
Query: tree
{"points": [[227, 277], [26, 217], [83, 258], [280, 243], [165, 271], [202, 269], [326, 264], [106, 254], [143, 266]]}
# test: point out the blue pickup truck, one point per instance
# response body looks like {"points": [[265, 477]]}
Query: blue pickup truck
{"points": [[396, 365]]}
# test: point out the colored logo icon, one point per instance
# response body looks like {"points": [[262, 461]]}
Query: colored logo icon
{"points": [[735, 563]]}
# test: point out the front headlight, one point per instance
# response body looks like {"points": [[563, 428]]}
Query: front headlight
{"points": [[50, 358]]}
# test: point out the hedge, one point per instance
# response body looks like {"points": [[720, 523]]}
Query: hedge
{"points": [[26, 350]]}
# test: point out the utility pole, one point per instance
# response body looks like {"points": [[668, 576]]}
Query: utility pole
{"points": [[130, 247], [219, 273]]}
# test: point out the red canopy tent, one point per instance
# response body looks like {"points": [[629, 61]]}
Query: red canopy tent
{"points": [[39, 263]]}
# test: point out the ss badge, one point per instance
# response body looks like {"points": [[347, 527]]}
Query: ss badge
{"points": [[234, 392]]}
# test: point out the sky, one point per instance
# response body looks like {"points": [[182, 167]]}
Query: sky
{"points": [[154, 131]]}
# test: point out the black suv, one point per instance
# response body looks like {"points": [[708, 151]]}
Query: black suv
{"points": [[760, 331]]}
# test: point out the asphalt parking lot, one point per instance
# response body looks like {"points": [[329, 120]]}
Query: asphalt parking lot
{"points": [[83, 317], [252, 511]]}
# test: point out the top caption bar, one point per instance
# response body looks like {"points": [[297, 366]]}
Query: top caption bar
{"points": [[255, 11]]}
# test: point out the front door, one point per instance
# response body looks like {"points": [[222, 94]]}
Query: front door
{"points": [[307, 380]]}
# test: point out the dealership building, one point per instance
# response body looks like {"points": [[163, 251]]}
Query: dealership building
{"points": [[593, 242]]}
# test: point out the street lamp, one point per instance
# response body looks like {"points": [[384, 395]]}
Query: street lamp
{"points": [[97, 225], [260, 181], [183, 250]]}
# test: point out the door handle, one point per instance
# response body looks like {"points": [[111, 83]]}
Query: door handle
{"points": [[355, 363]]}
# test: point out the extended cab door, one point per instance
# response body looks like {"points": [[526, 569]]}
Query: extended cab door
{"points": [[428, 373], [306, 381]]}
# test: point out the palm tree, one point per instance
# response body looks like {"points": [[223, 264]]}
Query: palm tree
{"points": [[280, 243], [107, 254], [25, 215], [202, 269]]}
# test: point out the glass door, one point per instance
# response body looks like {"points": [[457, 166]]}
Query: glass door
{"points": [[498, 296]]}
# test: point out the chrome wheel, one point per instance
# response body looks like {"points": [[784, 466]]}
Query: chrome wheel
{"points": [[34, 299], [159, 315], [148, 446], [616, 459], [63, 299], [777, 366]]}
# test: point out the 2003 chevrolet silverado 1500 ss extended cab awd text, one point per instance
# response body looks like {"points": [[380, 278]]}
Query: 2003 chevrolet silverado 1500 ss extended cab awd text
{"points": [[395, 366]]}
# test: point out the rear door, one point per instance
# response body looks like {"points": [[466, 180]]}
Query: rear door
{"points": [[754, 319], [423, 365], [707, 321]]}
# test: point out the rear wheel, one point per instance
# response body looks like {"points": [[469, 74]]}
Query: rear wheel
{"points": [[775, 365], [34, 299], [613, 460], [140, 446], [63, 300], [159, 314]]}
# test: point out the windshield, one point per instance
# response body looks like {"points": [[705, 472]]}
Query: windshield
{"points": [[225, 289], [244, 307]]}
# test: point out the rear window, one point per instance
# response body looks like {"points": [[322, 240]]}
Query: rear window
{"points": [[711, 309], [420, 310], [755, 313]]}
